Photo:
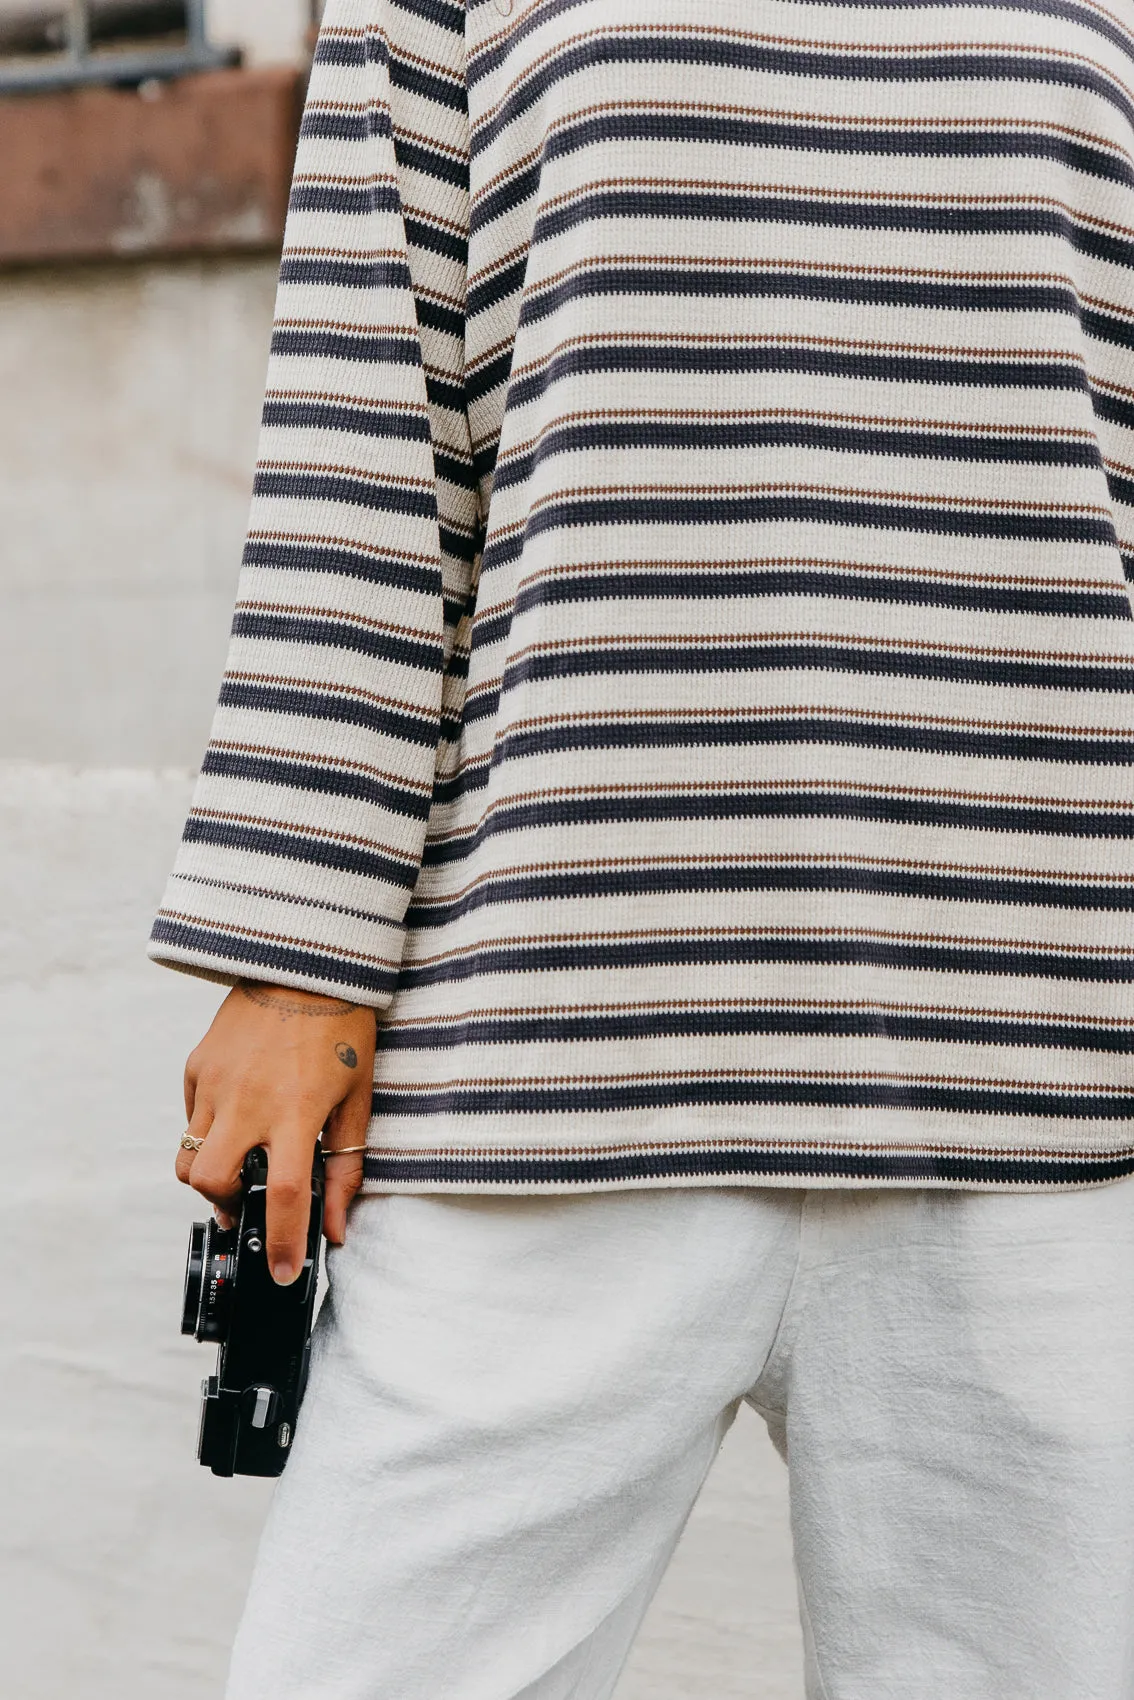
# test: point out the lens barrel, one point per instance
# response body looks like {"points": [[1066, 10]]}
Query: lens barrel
{"points": [[194, 1276], [210, 1270]]}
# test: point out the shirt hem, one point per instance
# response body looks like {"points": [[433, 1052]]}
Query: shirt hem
{"points": [[736, 1165]]}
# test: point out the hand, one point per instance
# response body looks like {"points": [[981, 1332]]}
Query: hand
{"points": [[276, 1068]]}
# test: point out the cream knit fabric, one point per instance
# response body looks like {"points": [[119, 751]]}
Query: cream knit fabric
{"points": [[683, 671]]}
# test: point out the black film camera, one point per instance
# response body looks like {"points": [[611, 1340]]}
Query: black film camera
{"points": [[249, 1407]]}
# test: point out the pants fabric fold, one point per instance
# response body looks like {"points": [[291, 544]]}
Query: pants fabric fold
{"points": [[513, 1404]]}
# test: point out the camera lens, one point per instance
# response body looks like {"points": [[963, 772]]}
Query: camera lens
{"points": [[209, 1272]]}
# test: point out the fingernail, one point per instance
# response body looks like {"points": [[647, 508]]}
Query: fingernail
{"points": [[283, 1274]]}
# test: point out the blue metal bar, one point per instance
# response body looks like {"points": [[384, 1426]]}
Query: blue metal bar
{"points": [[21, 77], [78, 66], [195, 23], [78, 29]]}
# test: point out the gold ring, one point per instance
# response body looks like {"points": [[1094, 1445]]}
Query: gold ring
{"points": [[190, 1142], [345, 1151]]}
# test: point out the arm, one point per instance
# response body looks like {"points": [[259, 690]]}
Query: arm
{"points": [[308, 821]]}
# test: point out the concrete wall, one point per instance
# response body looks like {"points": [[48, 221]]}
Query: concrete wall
{"points": [[122, 1563], [129, 399]]}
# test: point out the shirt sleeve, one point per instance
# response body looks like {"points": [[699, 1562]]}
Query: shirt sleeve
{"points": [[308, 820]]}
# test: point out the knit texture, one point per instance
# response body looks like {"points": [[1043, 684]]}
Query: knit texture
{"points": [[683, 670]]}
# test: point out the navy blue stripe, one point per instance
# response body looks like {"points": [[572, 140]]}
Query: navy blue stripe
{"points": [[308, 557], [445, 392], [355, 492], [338, 634], [360, 421], [341, 198], [831, 583], [1107, 327], [436, 239], [461, 546], [928, 811], [294, 847], [737, 359], [454, 471], [498, 285], [1115, 409], [977, 66], [808, 507], [487, 376], [345, 126], [443, 167], [402, 349], [440, 316], [368, 49], [719, 733], [674, 1164], [740, 283], [804, 433], [443, 13], [666, 879], [274, 958], [612, 1097], [326, 705], [517, 187], [681, 950], [416, 80], [489, 59], [344, 274], [318, 779], [734, 130], [731, 207], [939, 1027], [783, 655], [816, 728]]}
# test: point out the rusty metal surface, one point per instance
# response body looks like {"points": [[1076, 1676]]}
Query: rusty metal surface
{"points": [[201, 163]]}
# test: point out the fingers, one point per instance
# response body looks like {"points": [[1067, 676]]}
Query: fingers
{"points": [[272, 1070], [199, 1124], [189, 1085], [214, 1170], [346, 1126], [289, 1203], [343, 1179]]}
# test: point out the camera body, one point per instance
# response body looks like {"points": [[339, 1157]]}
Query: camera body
{"points": [[250, 1406]]}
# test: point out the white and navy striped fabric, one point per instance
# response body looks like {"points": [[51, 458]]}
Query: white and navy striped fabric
{"points": [[683, 672]]}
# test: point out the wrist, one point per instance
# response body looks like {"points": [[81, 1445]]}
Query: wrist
{"points": [[271, 996]]}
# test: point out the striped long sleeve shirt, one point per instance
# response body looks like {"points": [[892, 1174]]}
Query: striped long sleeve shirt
{"points": [[683, 667]]}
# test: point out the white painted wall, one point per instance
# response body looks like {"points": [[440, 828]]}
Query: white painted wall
{"points": [[129, 400], [270, 32]]}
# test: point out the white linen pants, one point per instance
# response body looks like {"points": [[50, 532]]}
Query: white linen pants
{"points": [[513, 1404]]}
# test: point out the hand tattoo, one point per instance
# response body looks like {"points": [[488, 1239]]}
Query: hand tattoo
{"points": [[269, 997], [347, 1054]]}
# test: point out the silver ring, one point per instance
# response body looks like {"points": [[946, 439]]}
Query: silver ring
{"points": [[190, 1142]]}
